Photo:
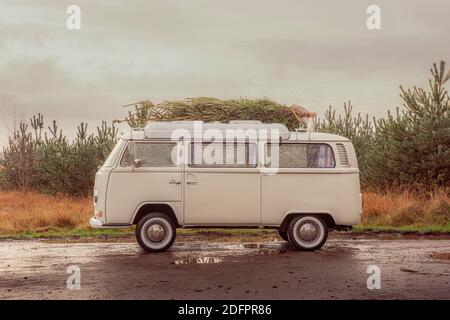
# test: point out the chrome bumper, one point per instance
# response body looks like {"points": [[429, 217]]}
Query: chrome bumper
{"points": [[99, 224], [96, 223]]}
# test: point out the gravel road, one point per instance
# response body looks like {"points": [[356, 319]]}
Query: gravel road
{"points": [[411, 268]]}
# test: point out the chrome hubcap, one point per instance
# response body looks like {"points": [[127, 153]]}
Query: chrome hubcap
{"points": [[156, 232], [308, 231]]}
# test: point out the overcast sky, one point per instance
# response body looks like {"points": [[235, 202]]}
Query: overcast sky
{"points": [[313, 53]]}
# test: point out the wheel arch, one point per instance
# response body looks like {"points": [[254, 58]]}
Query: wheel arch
{"points": [[326, 216], [146, 208]]}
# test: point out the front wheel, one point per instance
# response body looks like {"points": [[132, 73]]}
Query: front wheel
{"points": [[307, 233], [155, 232]]}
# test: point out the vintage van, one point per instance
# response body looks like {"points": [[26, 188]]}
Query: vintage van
{"points": [[172, 175]]}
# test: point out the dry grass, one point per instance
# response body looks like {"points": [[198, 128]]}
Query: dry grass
{"points": [[20, 212], [406, 208], [23, 212]]}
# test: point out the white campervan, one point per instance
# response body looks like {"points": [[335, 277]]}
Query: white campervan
{"points": [[238, 174]]}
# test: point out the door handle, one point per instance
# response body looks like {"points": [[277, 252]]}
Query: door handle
{"points": [[174, 181], [191, 182]]}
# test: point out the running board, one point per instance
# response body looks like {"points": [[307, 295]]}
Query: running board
{"points": [[116, 225]]}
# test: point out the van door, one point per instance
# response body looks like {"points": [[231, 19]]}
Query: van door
{"points": [[222, 185], [147, 172]]}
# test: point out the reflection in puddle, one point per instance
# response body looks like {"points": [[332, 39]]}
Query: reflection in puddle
{"points": [[203, 260], [258, 248], [206, 253]]}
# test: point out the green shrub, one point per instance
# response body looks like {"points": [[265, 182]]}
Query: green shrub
{"points": [[46, 161], [411, 148]]}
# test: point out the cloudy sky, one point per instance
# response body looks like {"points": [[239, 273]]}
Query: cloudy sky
{"points": [[313, 53]]}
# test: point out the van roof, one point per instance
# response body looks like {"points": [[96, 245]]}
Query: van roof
{"points": [[315, 136], [229, 131], [163, 130]]}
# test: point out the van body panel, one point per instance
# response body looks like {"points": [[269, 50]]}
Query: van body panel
{"points": [[128, 187], [287, 192], [100, 188], [221, 198]]}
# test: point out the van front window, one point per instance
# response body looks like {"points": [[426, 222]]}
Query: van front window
{"points": [[114, 154], [155, 154]]}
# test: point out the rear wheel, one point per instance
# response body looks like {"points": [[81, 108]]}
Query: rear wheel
{"points": [[307, 232], [155, 232]]}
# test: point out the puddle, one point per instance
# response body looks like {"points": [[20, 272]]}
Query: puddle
{"points": [[207, 253], [408, 270], [203, 260], [257, 248], [442, 255]]}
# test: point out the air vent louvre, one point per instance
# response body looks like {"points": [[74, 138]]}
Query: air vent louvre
{"points": [[343, 157]]}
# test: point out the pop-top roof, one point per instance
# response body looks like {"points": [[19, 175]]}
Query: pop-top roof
{"points": [[207, 130]]}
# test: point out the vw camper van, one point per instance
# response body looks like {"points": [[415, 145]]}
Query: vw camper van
{"points": [[181, 174]]}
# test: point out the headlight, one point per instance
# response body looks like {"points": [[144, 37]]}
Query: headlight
{"points": [[98, 214]]}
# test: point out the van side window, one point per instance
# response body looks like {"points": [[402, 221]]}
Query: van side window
{"points": [[300, 155], [223, 155], [151, 154], [320, 156]]}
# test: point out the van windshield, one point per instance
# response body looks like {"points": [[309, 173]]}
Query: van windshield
{"points": [[114, 154]]}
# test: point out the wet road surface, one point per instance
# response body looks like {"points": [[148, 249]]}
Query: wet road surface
{"points": [[192, 269]]}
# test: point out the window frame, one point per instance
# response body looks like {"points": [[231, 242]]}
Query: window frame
{"points": [[121, 146], [190, 163], [149, 143], [303, 143]]}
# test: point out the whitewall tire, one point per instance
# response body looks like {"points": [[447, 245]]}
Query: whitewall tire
{"points": [[307, 233], [155, 232]]}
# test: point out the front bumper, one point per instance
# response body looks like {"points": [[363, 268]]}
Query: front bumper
{"points": [[99, 224], [96, 223]]}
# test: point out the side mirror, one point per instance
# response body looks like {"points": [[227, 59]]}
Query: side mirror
{"points": [[138, 163]]}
